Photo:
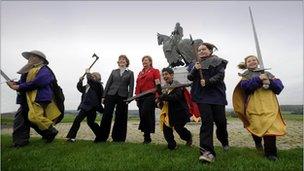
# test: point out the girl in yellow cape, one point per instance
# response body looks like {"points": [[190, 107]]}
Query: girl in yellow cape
{"points": [[257, 106]]}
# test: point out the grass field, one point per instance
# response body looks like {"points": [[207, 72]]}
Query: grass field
{"points": [[8, 119], [85, 155]]}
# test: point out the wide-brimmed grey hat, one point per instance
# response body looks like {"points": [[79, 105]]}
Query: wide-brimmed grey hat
{"points": [[26, 55]]}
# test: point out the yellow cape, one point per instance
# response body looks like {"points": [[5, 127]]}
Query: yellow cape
{"points": [[42, 117], [260, 112]]}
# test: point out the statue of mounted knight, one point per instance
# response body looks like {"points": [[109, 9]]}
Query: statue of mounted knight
{"points": [[178, 51]]}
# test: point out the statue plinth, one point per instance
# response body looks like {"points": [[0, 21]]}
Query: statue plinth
{"points": [[180, 74]]}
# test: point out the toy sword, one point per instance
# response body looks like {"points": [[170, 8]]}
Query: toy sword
{"points": [[5, 76], [259, 55]]}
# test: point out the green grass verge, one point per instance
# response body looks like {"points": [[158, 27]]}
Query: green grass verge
{"points": [[7, 120], [85, 155]]}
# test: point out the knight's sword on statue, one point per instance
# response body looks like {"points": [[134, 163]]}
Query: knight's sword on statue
{"points": [[258, 50]]}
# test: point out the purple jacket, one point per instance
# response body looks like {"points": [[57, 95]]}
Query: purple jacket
{"points": [[249, 86], [42, 82]]}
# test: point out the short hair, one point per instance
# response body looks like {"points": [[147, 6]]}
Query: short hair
{"points": [[168, 69], [126, 58], [149, 58]]}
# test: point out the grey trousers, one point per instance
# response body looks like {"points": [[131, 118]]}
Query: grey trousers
{"points": [[21, 127]]}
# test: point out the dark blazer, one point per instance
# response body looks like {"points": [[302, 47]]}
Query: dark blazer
{"points": [[122, 85], [91, 99]]}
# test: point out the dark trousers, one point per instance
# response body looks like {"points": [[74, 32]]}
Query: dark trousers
{"points": [[21, 127], [212, 113], [146, 107], [119, 132], [270, 148], [183, 133], [91, 116]]}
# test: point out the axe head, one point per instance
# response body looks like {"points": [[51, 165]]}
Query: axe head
{"points": [[94, 55]]}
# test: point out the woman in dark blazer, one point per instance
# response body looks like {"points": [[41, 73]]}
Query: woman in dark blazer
{"points": [[119, 87]]}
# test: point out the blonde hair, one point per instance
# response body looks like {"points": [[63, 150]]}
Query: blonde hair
{"points": [[243, 65], [97, 75]]}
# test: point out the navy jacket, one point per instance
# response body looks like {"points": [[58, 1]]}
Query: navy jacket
{"points": [[92, 98], [214, 92]]}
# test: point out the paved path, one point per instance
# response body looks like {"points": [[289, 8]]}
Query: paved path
{"points": [[238, 136]]}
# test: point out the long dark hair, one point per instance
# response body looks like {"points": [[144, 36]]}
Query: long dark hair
{"points": [[210, 46]]}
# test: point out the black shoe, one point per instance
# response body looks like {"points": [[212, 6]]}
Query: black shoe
{"points": [[259, 147], [272, 158], [172, 147], [189, 142], [147, 141], [147, 138], [15, 145], [51, 134], [99, 139]]}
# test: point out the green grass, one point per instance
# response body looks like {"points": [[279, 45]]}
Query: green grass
{"points": [[85, 155], [8, 119], [292, 117]]}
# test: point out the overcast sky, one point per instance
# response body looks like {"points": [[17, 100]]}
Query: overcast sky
{"points": [[69, 32]]}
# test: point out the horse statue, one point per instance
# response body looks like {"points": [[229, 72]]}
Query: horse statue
{"points": [[183, 50]]}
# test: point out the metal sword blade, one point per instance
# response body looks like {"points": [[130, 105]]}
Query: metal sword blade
{"points": [[259, 55], [4, 76]]}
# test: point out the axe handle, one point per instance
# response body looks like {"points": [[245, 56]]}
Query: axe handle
{"points": [[91, 66]]}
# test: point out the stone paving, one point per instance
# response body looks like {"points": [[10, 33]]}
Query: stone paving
{"points": [[238, 136]]}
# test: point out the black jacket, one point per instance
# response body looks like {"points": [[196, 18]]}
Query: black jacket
{"points": [[177, 106], [92, 98]]}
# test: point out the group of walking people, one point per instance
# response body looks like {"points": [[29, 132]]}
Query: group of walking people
{"points": [[255, 104]]}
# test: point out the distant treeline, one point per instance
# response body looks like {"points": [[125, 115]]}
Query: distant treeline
{"points": [[293, 109]]}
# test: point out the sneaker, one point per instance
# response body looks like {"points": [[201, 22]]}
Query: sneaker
{"points": [[207, 157], [272, 158], [226, 147], [72, 140]]}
